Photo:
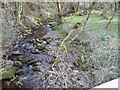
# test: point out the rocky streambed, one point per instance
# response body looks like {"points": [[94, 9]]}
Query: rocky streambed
{"points": [[33, 58]]}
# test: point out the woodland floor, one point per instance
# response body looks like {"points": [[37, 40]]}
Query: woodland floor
{"points": [[92, 58]]}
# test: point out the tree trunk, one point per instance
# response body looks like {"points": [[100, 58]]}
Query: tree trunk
{"points": [[104, 12], [112, 15], [59, 12]]}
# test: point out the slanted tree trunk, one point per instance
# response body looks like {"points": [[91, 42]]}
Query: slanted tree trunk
{"points": [[115, 10], [59, 13]]}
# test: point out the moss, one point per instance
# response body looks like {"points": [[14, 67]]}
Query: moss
{"points": [[40, 47], [73, 87], [25, 60], [20, 72], [8, 73], [18, 64], [32, 62]]}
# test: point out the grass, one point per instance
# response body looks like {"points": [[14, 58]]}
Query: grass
{"points": [[95, 19], [105, 57]]}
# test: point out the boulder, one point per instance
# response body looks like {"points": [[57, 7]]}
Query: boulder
{"points": [[8, 73]]}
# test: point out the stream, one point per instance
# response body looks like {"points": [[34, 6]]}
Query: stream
{"points": [[33, 55]]}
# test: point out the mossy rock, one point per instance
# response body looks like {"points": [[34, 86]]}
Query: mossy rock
{"points": [[40, 47], [30, 41], [32, 62], [8, 73], [35, 68], [20, 72], [73, 87], [25, 60], [18, 63]]}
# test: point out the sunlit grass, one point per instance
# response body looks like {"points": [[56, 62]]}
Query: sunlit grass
{"points": [[94, 23]]}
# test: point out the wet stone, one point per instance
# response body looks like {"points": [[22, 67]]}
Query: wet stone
{"points": [[17, 53], [44, 42], [35, 51]]}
